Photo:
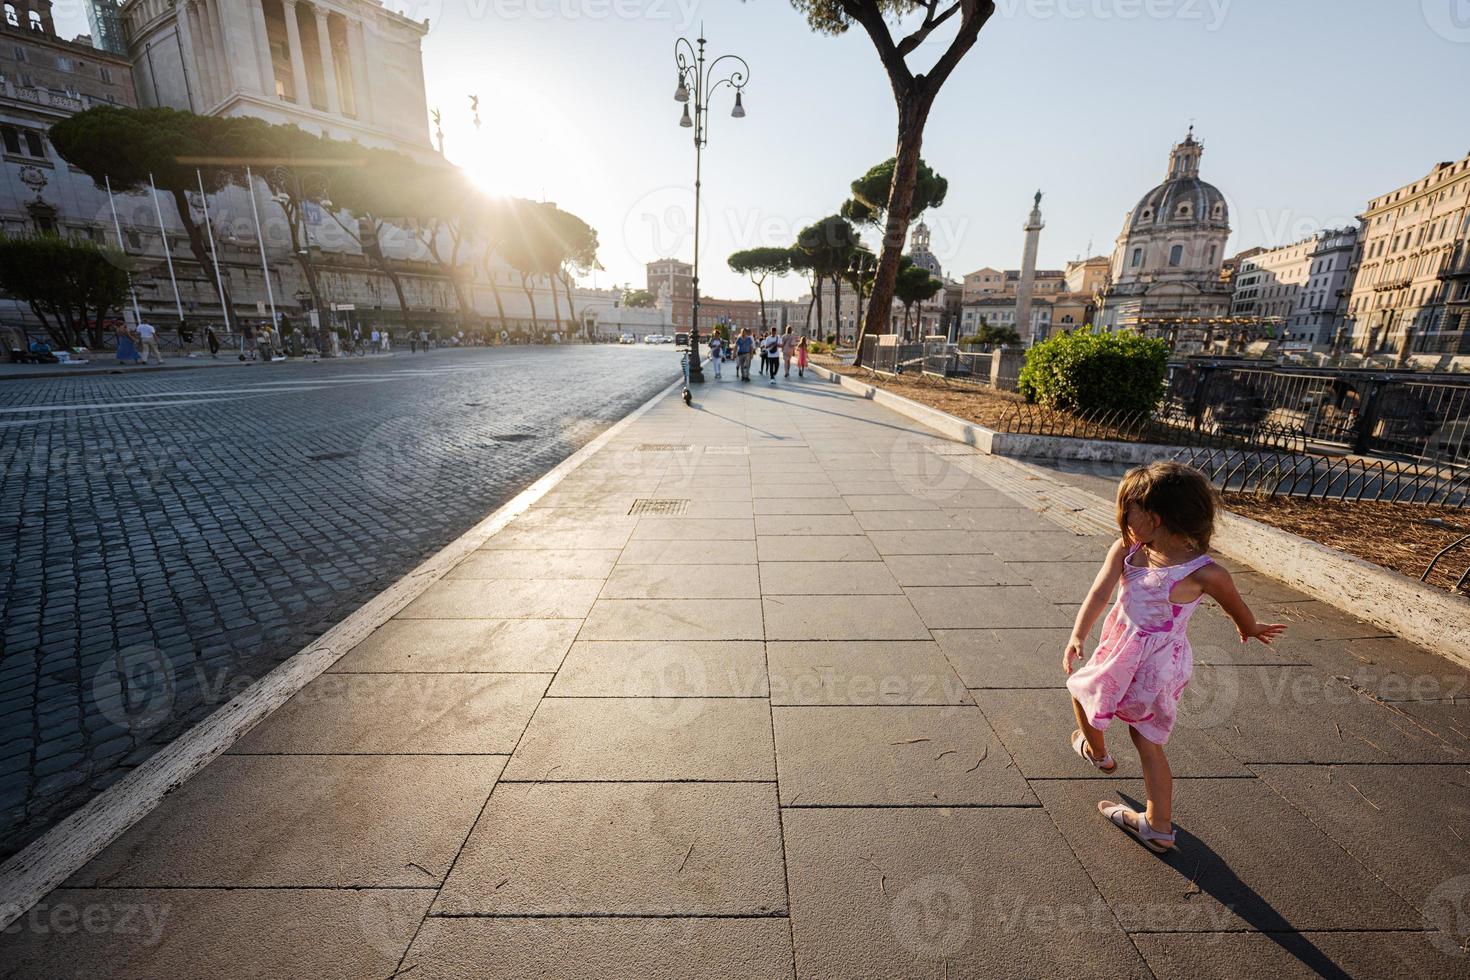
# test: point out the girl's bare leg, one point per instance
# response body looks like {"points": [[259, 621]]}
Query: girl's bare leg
{"points": [[1158, 781], [1096, 743]]}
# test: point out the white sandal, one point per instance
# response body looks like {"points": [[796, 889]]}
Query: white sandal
{"points": [[1105, 764], [1138, 829]]}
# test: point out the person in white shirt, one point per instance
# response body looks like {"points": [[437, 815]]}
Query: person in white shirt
{"points": [[148, 342], [716, 353]]}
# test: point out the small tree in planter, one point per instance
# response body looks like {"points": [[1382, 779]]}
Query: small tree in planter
{"points": [[1086, 371]]}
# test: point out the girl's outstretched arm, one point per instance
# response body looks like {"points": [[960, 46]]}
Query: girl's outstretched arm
{"points": [[1096, 601], [1218, 585]]}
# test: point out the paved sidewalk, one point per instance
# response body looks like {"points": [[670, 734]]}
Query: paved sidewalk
{"points": [[811, 725]]}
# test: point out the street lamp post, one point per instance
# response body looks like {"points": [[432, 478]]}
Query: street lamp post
{"points": [[701, 82]]}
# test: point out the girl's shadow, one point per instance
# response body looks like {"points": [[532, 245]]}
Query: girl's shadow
{"points": [[1200, 867]]}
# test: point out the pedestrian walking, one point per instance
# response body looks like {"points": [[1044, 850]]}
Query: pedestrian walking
{"points": [[148, 342], [716, 349], [801, 358], [744, 346], [376, 341], [771, 349], [788, 348], [265, 342], [1162, 569], [212, 338], [127, 351]]}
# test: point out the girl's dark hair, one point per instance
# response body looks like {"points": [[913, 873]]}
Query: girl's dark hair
{"points": [[1180, 496]]}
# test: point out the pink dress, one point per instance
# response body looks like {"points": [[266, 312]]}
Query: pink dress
{"points": [[1143, 660]]}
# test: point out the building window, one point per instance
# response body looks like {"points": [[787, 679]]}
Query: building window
{"points": [[10, 16], [12, 140], [65, 64], [1137, 258], [33, 144], [20, 54], [36, 23], [106, 74], [1176, 255]]}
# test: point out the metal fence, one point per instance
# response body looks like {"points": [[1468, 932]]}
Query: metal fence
{"points": [[892, 358], [1345, 478], [1369, 413]]}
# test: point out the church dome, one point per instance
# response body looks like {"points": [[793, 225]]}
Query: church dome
{"points": [[1183, 201]]}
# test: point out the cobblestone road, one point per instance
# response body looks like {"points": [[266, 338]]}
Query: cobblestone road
{"points": [[165, 540]]}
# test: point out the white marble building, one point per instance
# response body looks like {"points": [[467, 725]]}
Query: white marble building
{"points": [[1167, 260]]}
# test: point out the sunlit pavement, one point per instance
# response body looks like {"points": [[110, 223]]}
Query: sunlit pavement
{"points": [[768, 687], [168, 536]]}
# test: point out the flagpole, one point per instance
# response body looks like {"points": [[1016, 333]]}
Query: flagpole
{"points": [[117, 227], [167, 252], [260, 237], [213, 249]]}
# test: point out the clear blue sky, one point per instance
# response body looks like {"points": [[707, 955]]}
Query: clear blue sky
{"points": [[1306, 109]]}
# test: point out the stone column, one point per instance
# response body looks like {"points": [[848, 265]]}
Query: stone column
{"points": [[189, 56], [329, 66], [199, 27], [263, 48], [1028, 274], [298, 57], [357, 52], [215, 34]]}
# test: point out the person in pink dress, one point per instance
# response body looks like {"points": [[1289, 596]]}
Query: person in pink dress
{"points": [[1161, 569], [801, 358]]}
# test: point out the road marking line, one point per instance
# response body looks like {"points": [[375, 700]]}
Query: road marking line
{"points": [[47, 862]]}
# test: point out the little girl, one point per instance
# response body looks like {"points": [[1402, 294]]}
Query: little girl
{"points": [[1166, 512], [801, 358]]}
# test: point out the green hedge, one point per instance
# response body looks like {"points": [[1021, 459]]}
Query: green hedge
{"points": [[1095, 372]]}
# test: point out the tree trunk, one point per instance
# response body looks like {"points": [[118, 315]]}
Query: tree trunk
{"points": [[203, 257], [531, 298], [837, 304], [495, 291], [821, 327], [555, 307], [760, 291], [569, 288], [913, 112]]}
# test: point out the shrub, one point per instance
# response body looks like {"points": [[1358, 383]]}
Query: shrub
{"points": [[991, 336], [818, 347], [1086, 371]]}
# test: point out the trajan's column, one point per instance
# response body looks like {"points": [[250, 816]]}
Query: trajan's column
{"points": [[1028, 274]]}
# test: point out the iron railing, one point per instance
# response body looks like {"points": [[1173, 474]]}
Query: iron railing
{"points": [[1311, 476]]}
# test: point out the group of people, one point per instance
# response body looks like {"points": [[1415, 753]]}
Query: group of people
{"points": [[776, 350], [137, 345]]}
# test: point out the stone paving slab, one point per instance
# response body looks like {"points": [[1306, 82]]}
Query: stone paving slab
{"points": [[463, 645], [673, 619], [1409, 824], [646, 739], [1024, 657], [866, 672], [1037, 726], [688, 553], [148, 934], [846, 617], [683, 582], [649, 669], [536, 565], [528, 599], [304, 821], [621, 849], [893, 755], [1298, 956], [827, 578], [400, 714], [1245, 859], [967, 607], [635, 948], [880, 893], [851, 547]]}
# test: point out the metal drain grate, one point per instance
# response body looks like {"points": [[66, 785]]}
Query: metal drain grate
{"points": [[659, 508], [662, 447], [727, 450]]}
